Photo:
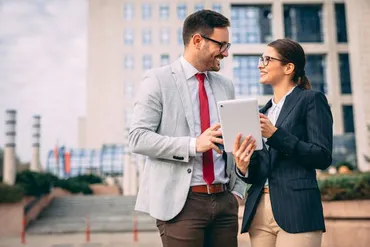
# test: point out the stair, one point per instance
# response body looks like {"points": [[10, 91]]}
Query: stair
{"points": [[105, 213]]}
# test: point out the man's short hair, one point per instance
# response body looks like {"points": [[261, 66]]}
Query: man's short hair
{"points": [[203, 22]]}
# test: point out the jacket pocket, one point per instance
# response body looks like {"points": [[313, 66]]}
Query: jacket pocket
{"points": [[303, 184]]}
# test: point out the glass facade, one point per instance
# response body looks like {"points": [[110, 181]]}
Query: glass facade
{"points": [[217, 7], [165, 59], [340, 18], [129, 62], [246, 75], [164, 11], [348, 123], [165, 36], [303, 23], [147, 36], [198, 6], [129, 36], [146, 11], [316, 72], [251, 24], [344, 74], [128, 10], [181, 11], [147, 62]]}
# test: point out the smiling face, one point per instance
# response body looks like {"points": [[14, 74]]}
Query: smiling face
{"points": [[209, 55], [275, 71]]}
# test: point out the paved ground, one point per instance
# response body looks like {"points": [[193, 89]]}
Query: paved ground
{"points": [[146, 239]]}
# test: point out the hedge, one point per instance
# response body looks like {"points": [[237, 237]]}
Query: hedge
{"points": [[10, 194], [354, 186]]}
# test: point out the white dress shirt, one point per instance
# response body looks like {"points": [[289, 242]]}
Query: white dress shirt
{"points": [[219, 163]]}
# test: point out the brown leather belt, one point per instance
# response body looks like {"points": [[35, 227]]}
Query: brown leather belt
{"points": [[266, 190], [208, 189]]}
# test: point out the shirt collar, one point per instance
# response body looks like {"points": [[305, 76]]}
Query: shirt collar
{"points": [[189, 69], [283, 99]]}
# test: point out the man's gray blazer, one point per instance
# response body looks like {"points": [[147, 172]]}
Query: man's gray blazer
{"points": [[162, 126]]}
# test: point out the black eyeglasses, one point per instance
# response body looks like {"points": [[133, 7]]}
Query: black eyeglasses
{"points": [[266, 59], [224, 46]]}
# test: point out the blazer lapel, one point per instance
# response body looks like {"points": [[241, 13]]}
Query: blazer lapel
{"points": [[264, 109], [289, 104], [182, 86]]}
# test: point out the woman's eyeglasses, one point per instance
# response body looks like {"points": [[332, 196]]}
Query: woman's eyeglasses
{"points": [[266, 59]]}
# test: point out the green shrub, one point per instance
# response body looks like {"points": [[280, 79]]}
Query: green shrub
{"points": [[74, 186], [354, 186], [90, 179], [10, 194], [34, 183]]}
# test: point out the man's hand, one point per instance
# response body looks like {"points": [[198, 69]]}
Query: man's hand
{"points": [[267, 128], [208, 138]]}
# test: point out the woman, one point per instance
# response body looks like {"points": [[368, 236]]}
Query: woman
{"points": [[284, 207]]}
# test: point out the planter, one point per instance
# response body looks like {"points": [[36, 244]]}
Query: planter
{"points": [[347, 223]]}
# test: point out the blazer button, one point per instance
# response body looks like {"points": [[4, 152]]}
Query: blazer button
{"points": [[189, 170]]}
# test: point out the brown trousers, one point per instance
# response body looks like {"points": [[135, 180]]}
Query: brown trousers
{"points": [[205, 221]]}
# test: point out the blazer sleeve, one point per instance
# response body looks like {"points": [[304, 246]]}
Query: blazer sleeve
{"points": [[317, 151], [146, 119]]}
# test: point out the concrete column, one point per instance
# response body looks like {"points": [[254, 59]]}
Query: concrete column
{"points": [[358, 28], [36, 125], [9, 152], [130, 179]]}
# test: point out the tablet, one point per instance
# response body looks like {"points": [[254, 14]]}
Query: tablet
{"points": [[239, 116]]}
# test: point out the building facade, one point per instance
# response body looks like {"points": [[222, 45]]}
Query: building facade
{"points": [[128, 37]]}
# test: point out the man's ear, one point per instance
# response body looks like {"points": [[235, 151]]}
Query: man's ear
{"points": [[289, 68], [197, 41]]}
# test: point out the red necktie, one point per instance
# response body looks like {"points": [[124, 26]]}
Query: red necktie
{"points": [[208, 170]]}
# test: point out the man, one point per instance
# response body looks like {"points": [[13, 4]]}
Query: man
{"points": [[188, 184]]}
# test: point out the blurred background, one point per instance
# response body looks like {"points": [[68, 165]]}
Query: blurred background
{"points": [[69, 70]]}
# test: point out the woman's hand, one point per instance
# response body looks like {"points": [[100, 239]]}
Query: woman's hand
{"points": [[243, 152], [267, 128]]}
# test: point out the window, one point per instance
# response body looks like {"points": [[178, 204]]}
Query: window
{"points": [[349, 126], [129, 89], [340, 16], [129, 62], [246, 75], [164, 11], [179, 36], [251, 24], [345, 75], [129, 37], [198, 6], [303, 23], [181, 11], [146, 11], [316, 72], [165, 36], [165, 59], [147, 36], [129, 11], [147, 62], [217, 7]]}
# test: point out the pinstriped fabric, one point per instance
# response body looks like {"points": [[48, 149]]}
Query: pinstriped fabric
{"points": [[302, 143]]}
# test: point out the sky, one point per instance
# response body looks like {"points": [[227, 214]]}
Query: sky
{"points": [[43, 56]]}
